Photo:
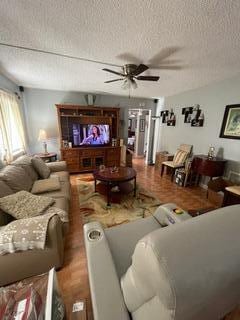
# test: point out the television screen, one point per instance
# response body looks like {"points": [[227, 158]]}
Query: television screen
{"points": [[91, 134]]}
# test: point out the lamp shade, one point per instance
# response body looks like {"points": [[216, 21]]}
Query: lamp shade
{"points": [[42, 136]]}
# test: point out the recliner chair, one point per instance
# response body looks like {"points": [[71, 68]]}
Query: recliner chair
{"points": [[188, 271]]}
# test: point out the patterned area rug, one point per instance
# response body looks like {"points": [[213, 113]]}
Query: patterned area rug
{"points": [[93, 206]]}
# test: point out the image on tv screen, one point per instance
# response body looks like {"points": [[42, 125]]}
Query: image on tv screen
{"points": [[91, 134]]}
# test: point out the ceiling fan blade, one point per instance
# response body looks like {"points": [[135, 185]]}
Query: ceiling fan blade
{"points": [[128, 58], [141, 68], [109, 81], [148, 78], [167, 67], [114, 72], [163, 55]]}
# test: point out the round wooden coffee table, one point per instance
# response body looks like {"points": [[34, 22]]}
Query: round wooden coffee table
{"points": [[115, 178]]}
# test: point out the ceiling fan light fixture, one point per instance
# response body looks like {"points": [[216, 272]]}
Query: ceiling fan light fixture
{"points": [[133, 84], [125, 85], [129, 84]]}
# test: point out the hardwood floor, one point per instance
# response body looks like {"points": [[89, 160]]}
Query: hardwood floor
{"points": [[73, 277]]}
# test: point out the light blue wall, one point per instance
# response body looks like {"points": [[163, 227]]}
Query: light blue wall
{"points": [[212, 99], [6, 83], [41, 112]]}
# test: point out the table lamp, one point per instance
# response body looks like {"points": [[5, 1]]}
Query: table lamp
{"points": [[42, 136]]}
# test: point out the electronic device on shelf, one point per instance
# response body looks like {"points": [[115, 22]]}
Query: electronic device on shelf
{"points": [[90, 134]]}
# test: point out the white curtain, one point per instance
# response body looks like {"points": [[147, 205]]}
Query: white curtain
{"points": [[11, 126]]}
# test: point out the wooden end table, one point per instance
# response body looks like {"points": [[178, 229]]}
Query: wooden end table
{"points": [[114, 178], [47, 157]]}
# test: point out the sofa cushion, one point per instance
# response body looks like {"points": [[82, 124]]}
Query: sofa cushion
{"points": [[122, 240], [5, 190], [41, 167], [64, 192], [16, 178], [62, 175], [24, 204], [61, 203], [46, 185], [57, 166], [26, 164]]}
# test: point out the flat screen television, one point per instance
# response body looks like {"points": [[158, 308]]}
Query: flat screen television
{"points": [[90, 134]]}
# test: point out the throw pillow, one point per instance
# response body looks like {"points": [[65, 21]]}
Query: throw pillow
{"points": [[41, 167], [16, 178], [23, 204], [26, 164], [46, 185]]}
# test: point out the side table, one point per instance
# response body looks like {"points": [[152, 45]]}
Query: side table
{"points": [[47, 157], [203, 166]]}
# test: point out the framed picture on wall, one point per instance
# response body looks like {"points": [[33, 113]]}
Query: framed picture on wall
{"points": [[231, 122], [142, 125]]}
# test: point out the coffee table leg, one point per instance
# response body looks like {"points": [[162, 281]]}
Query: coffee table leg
{"points": [[135, 186]]}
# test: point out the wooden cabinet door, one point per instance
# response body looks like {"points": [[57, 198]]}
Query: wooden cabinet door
{"points": [[71, 156], [113, 156]]}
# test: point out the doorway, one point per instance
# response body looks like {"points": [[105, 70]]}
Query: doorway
{"points": [[139, 123]]}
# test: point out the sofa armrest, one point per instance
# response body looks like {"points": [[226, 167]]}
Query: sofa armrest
{"points": [[54, 233], [57, 166], [33, 262], [107, 298], [55, 238]]}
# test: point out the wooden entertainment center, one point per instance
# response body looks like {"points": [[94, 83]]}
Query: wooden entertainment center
{"points": [[88, 158]]}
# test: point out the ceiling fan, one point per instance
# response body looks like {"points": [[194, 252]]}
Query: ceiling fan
{"points": [[130, 73]]}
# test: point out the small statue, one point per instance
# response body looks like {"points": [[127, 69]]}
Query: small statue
{"points": [[211, 152]]}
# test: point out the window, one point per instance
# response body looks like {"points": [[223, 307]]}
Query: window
{"points": [[12, 138]]}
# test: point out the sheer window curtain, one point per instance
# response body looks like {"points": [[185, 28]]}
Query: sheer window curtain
{"points": [[12, 136]]}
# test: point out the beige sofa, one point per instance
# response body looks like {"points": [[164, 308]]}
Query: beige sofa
{"points": [[186, 271], [19, 265]]}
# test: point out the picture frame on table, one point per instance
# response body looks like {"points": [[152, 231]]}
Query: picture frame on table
{"points": [[231, 122]]}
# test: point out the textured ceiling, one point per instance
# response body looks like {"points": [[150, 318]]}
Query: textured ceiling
{"points": [[200, 37]]}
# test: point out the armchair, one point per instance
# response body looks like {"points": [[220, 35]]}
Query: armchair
{"points": [[179, 159], [182, 272]]}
